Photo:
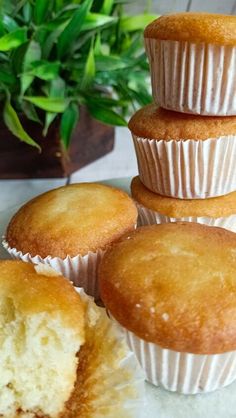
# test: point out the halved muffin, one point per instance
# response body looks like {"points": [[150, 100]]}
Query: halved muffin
{"points": [[40, 339], [61, 356]]}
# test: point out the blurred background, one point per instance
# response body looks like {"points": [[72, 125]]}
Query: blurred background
{"points": [[121, 162], [170, 6], [72, 72]]}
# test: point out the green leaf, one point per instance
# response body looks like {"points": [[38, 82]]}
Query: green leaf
{"points": [[40, 36], [59, 4], [69, 121], [46, 71], [73, 29], [134, 47], [138, 22], [27, 12], [57, 89], [106, 101], [112, 63], [106, 63], [107, 7], [52, 38], [57, 104], [13, 39], [97, 44], [89, 70], [40, 11], [55, 24], [107, 116], [2, 29], [13, 123], [6, 77], [17, 58], [30, 111], [142, 97], [95, 21], [32, 54], [9, 23], [4, 57]]}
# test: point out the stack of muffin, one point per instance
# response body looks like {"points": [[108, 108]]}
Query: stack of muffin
{"points": [[186, 149], [171, 287]]}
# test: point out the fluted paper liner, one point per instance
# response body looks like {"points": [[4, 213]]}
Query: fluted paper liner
{"points": [[187, 169], [193, 78], [185, 373], [81, 270], [150, 217], [109, 382]]}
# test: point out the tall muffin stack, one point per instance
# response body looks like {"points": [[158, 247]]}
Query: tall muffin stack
{"points": [[186, 149]]}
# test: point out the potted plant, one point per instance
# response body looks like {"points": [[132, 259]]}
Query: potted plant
{"points": [[64, 65]]}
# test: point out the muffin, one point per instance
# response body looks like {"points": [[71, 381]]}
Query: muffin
{"points": [[59, 352], [184, 156], [110, 382], [156, 209], [193, 62], [69, 228], [172, 288], [39, 340]]}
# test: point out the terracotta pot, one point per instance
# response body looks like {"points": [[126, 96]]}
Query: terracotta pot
{"points": [[91, 140]]}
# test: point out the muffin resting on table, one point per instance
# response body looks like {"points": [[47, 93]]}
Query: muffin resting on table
{"points": [[157, 209], [172, 288], [184, 156], [40, 339], [61, 356], [70, 228], [192, 58]]}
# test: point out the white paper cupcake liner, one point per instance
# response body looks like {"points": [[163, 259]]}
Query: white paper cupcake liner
{"points": [[193, 78], [110, 371], [187, 169], [151, 217], [81, 270], [183, 372]]}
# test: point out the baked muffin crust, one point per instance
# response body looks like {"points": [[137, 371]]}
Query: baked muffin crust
{"points": [[154, 122], [174, 285], [72, 220], [194, 27], [34, 291], [215, 207]]}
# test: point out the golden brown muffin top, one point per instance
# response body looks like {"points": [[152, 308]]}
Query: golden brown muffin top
{"points": [[33, 289], [154, 122], [72, 220], [215, 207], [174, 285], [194, 27]]}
